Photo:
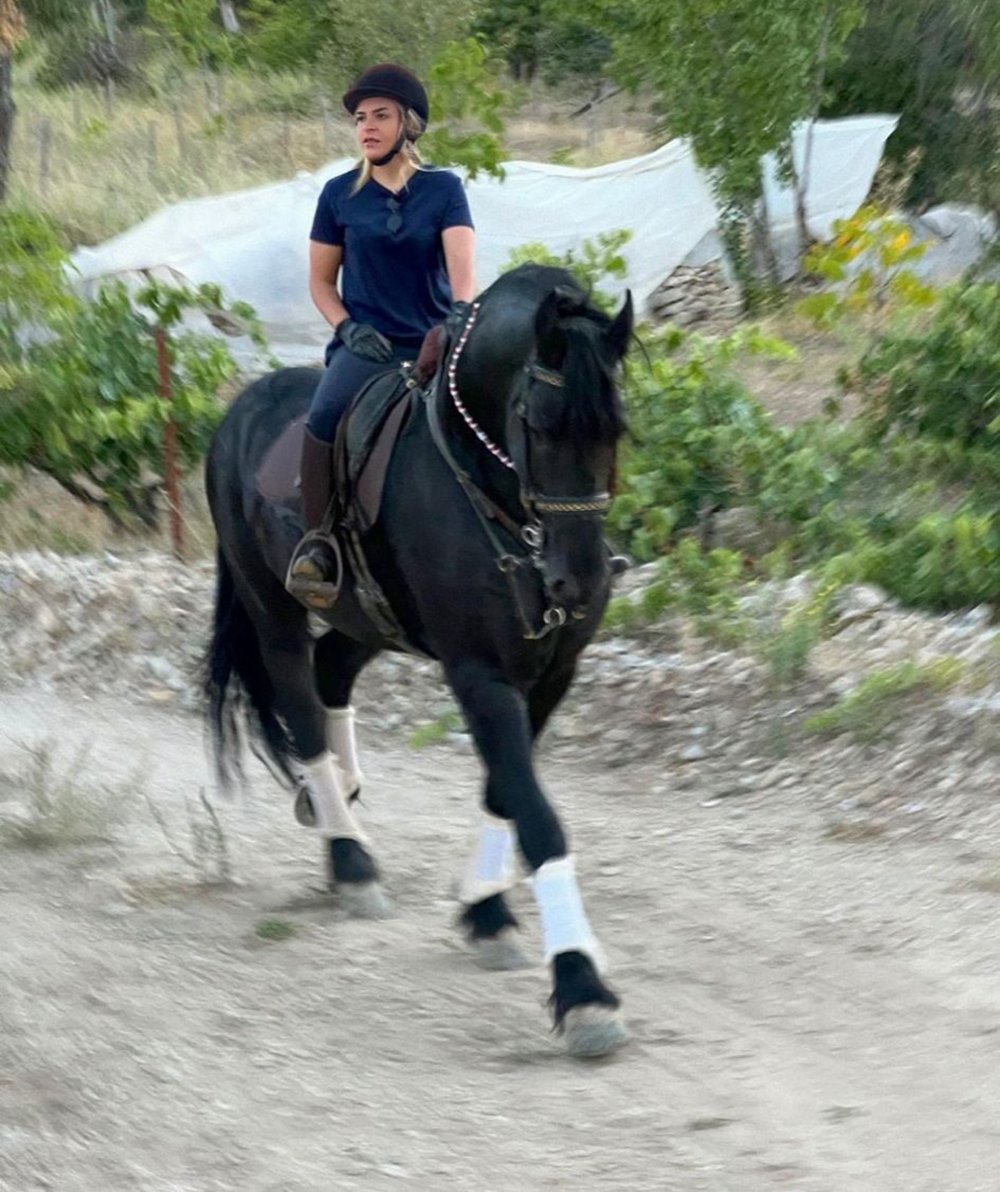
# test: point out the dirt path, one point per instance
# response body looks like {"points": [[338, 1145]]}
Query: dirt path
{"points": [[807, 1014]]}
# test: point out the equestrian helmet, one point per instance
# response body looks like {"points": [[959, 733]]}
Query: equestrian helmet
{"points": [[392, 81]]}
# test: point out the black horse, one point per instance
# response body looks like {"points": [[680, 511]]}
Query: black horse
{"points": [[489, 550]]}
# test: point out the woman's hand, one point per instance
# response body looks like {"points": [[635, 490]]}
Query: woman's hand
{"points": [[363, 340]]}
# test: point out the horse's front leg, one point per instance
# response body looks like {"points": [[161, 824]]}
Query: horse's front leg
{"points": [[492, 869], [498, 717]]}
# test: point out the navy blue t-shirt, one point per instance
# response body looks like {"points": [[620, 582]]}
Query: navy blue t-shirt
{"points": [[394, 280]]}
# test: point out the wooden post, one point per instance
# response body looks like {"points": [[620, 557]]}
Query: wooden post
{"points": [[179, 126], [327, 126], [44, 155], [7, 109], [154, 164], [170, 470]]}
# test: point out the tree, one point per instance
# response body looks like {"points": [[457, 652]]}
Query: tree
{"points": [[84, 42], [463, 88], [548, 37], [194, 28], [285, 34], [513, 27], [936, 63], [734, 76]]}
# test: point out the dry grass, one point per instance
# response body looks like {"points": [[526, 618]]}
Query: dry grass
{"points": [[100, 166], [59, 806], [546, 129], [109, 165], [796, 390], [205, 848], [37, 514]]}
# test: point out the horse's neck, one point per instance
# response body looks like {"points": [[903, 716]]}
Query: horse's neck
{"points": [[488, 369]]}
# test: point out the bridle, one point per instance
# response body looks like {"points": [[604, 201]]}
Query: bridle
{"points": [[533, 500], [536, 504]]}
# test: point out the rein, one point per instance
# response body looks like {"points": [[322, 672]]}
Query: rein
{"points": [[535, 503]]}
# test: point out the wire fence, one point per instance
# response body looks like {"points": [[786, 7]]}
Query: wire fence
{"points": [[99, 164]]}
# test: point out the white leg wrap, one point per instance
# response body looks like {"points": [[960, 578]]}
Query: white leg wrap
{"points": [[341, 742], [328, 794], [564, 923], [491, 868]]}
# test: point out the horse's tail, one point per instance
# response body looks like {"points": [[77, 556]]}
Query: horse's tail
{"points": [[237, 686]]}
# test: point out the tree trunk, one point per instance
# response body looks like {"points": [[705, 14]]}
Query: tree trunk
{"points": [[7, 110], [104, 15], [227, 13], [801, 179], [765, 261]]}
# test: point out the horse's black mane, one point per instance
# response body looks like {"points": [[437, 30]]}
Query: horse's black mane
{"points": [[588, 408]]}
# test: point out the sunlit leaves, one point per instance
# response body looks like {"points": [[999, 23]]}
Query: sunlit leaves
{"points": [[465, 91], [79, 380]]}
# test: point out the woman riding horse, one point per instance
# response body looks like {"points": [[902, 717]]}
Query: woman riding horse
{"points": [[401, 238], [487, 548]]}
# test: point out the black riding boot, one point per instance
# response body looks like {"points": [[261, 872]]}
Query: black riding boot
{"points": [[314, 572]]}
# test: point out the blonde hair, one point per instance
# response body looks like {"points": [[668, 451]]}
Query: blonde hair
{"points": [[413, 126]]}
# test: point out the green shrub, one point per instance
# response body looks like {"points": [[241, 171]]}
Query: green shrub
{"points": [[943, 382], [868, 261], [79, 379], [595, 261], [699, 440], [870, 709], [32, 279], [705, 586]]}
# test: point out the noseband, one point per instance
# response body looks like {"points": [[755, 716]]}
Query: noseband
{"points": [[532, 499]]}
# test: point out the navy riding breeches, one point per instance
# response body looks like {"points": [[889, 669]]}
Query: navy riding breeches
{"points": [[344, 376]]}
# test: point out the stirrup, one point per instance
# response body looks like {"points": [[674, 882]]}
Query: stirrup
{"points": [[305, 580]]}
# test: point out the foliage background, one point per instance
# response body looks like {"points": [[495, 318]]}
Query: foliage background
{"points": [[885, 471]]}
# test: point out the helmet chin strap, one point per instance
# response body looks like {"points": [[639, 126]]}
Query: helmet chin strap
{"points": [[387, 157]]}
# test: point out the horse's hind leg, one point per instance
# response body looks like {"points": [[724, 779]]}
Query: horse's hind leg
{"points": [[287, 655], [338, 660], [504, 730]]}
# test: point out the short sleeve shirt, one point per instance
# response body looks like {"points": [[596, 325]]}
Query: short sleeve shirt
{"points": [[393, 272]]}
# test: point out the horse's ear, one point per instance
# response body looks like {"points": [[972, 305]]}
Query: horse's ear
{"points": [[620, 331], [550, 338]]}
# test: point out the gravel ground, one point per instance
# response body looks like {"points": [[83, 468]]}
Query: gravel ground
{"points": [[801, 926]]}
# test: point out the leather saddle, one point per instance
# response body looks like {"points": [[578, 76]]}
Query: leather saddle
{"points": [[363, 448], [366, 438]]}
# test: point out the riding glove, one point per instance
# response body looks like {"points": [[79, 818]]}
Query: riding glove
{"points": [[455, 321], [363, 340]]}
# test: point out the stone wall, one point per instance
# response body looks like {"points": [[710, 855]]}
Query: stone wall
{"points": [[697, 294]]}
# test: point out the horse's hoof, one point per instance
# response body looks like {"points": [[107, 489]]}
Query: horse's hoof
{"points": [[501, 952], [594, 1030], [364, 900]]}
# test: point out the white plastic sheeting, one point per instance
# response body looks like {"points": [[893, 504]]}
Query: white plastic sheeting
{"points": [[254, 243]]}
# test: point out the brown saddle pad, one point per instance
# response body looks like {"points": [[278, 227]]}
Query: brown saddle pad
{"points": [[278, 475]]}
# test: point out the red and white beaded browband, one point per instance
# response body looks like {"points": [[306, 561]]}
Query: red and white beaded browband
{"points": [[470, 422]]}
